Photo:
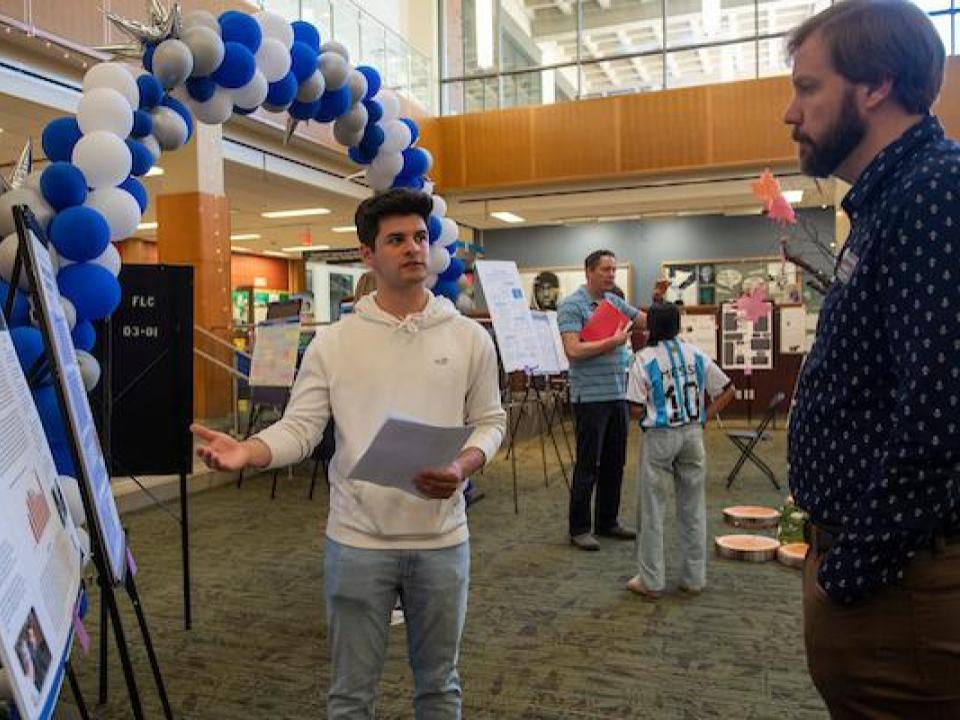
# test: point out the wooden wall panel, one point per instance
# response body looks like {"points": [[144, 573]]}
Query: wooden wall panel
{"points": [[948, 107], [747, 121], [597, 152], [663, 131], [497, 147], [245, 269]]}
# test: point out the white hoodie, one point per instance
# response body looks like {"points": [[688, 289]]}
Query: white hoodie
{"points": [[436, 366]]}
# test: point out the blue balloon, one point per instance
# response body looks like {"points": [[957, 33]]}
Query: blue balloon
{"points": [[79, 233], [374, 111], [21, 308], [148, 58], [334, 103], [447, 288], [48, 407], [142, 123], [59, 137], [453, 271], [303, 61], [237, 68], [93, 290], [136, 188], [373, 80], [63, 185], [416, 162], [302, 110], [373, 137], [84, 336], [414, 130], [63, 458], [28, 342], [242, 28], [434, 228], [142, 158], [201, 89], [181, 110], [359, 155], [151, 91], [307, 34], [282, 92]]}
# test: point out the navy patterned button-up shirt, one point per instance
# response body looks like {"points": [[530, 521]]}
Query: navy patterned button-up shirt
{"points": [[874, 444]]}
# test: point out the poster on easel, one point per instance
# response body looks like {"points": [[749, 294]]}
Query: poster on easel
{"points": [[701, 331], [40, 557], [79, 418], [510, 313], [747, 345], [553, 359], [274, 362], [793, 330]]}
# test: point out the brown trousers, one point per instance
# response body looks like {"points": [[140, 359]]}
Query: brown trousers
{"points": [[895, 654]]}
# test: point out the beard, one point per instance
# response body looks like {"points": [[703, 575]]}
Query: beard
{"points": [[824, 156]]}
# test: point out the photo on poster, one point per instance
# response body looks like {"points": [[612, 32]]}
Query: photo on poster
{"points": [[37, 508], [33, 651]]}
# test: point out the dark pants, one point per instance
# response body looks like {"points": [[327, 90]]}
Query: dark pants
{"points": [[601, 452], [895, 654]]}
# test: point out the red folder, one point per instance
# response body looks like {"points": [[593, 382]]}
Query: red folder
{"points": [[604, 323]]}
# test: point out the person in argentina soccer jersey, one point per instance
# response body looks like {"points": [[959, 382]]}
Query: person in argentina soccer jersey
{"points": [[667, 387]]}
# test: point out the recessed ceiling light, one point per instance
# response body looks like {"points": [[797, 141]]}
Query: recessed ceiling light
{"points": [[507, 217], [793, 196], [301, 212], [154, 171], [240, 249], [274, 253], [344, 229], [245, 236], [305, 248], [147, 226]]}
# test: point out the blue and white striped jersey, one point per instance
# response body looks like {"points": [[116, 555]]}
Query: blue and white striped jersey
{"points": [[671, 380]]}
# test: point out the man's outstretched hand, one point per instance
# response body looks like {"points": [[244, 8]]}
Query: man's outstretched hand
{"points": [[220, 451]]}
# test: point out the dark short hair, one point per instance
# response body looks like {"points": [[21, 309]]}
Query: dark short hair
{"points": [[871, 41], [594, 258], [663, 322], [392, 203]]}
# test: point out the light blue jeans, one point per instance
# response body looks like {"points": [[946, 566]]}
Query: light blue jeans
{"points": [[361, 587], [673, 456]]}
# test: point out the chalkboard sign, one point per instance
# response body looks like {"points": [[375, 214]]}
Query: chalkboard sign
{"points": [[151, 369]]}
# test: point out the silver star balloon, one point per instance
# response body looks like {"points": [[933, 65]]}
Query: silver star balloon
{"points": [[292, 123], [163, 22], [20, 170]]}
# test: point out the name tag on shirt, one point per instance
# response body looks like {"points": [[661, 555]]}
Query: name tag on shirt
{"points": [[848, 263]]}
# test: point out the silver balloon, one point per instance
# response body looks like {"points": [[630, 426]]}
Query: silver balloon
{"points": [[345, 134], [89, 369], [336, 47], [355, 120], [172, 62], [270, 107], [200, 18], [358, 86], [151, 144], [215, 111], [169, 128], [207, 50], [312, 88], [335, 69]]}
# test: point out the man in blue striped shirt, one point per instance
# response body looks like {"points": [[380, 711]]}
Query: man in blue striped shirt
{"points": [[598, 379]]}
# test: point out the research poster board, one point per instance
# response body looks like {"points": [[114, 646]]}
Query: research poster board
{"points": [[546, 287], [274, 362], [510, 312], [39, 556], [79, 420], [553, 359], [746, 345], [793, 330], [700, 330]]}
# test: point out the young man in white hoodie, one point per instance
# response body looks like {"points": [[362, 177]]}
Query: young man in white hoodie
{"points": [[402, 350]]}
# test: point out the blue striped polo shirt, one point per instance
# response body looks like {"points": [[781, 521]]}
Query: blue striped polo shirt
{"points": [[604, 377]]}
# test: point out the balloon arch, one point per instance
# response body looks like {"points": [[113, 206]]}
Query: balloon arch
{"points": [[196, 66]]}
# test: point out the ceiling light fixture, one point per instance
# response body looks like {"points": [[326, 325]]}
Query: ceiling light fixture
{"points": [[344, 229], [274, 253], [300, 212], [507, 217], [147, 226], [305, 248], [154, 171], [240, 249], [245, 236]]}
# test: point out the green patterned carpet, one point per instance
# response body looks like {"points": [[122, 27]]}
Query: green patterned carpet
{"points": [[551, 632]]}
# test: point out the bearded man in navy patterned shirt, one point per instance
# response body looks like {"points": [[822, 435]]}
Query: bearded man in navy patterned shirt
{"points": [[874, 446]]}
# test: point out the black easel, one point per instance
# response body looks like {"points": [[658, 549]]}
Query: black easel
{"points": [[42, 283], [263, 399]]}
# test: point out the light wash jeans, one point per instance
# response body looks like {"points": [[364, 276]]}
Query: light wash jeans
{"points": [[673, 455], [361, 587]]}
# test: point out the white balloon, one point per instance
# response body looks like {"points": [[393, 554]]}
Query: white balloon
{"points": [[397, 137], [450, 232], [465, 303], [312, 88], [32, 180], [103, 158], [172, 62], [273, 59], [115, 76], [428, 187], [89, 369], [207, 49], [120, 209], [215, 111], [169, 128], [431, 281], [150, 142], [439, 206], [275, 27], [104, 109], [252, 94], [390, 103], [17, 196], [335, 70], [83, 539], [202, 18], [387, 164], [439, 259], [109, 259], [8, 256], [69, 312], [70, 489]]}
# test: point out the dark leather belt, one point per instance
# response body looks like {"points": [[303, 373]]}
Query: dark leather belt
{"points": [[821, 538]]}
